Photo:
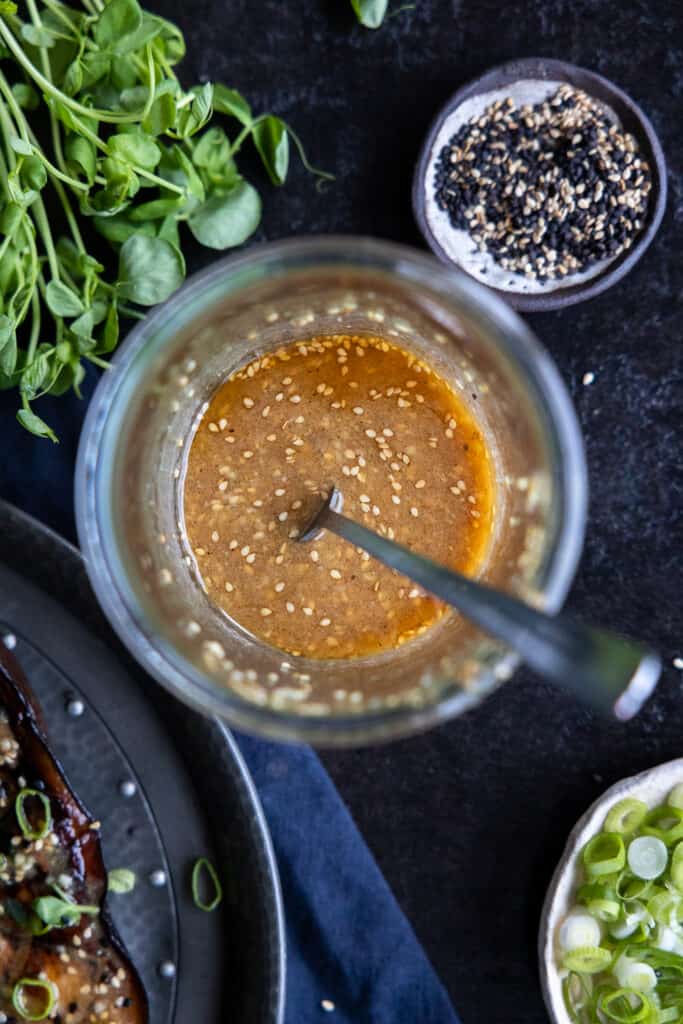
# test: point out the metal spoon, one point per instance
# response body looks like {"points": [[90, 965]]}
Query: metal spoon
{"points": [[610, 672]]}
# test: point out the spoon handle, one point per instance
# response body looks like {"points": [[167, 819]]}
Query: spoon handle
{"points": [[609, 672]]}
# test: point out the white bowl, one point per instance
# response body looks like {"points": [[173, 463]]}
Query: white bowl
{"points": [[652, 787]]}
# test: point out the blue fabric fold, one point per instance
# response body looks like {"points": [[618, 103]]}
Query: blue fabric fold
{"points": [[349, 943], [352, 955]]}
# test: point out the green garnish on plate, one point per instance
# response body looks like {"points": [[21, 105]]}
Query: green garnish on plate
{"points": [[621, 947]]}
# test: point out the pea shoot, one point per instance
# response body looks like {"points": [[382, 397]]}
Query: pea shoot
{"points": [[129, 152]]}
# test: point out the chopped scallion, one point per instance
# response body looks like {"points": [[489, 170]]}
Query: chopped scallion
{"points": [[201, 866], [22, 817], [30, 991]]}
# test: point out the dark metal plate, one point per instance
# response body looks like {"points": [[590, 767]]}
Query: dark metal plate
{"points": [[193, 794]]}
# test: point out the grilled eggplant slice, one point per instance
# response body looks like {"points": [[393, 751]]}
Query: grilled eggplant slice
{"points": [[44, 881]]}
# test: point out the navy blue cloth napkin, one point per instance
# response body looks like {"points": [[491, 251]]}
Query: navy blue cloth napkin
{"points": [[352, 956]]}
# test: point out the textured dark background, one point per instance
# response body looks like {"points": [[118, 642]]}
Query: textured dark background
{"points": [[468, 821]]}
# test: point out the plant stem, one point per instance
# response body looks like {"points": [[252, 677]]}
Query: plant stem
{"points": [[47, 86]]}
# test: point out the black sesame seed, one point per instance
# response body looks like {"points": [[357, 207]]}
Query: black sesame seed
{"points": [[547, 189]]}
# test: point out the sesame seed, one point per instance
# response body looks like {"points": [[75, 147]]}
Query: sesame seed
{"points": [[335, 574], [395, 498], [307, 611], [289, 606], [250, 559], [414, 512], [248, 403], [279, 587], [358, 410], [282, 516]]}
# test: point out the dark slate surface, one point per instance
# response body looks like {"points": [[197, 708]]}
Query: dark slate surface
{"points": [[468, 821]]}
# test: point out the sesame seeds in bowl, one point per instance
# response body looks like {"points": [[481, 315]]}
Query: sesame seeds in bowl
{"points": [[541, 180]]}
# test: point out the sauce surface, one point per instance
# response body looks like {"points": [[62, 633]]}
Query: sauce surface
{"points": [[407, 455]]}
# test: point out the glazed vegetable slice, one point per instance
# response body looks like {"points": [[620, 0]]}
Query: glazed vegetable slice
{"points": [[620, 949], [60, 958]]}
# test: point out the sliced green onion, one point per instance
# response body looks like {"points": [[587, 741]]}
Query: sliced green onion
{"points": [[647, 857], [579, 931], [675, 797], [629, 887], [670, 1016], [121, 880], [22, 818], [587, 960], [21, 991], [604, 910], [625, 1006], [626, 816], [204, 865], [664, 906], [676, 867], [604, 854], [635, 974]]}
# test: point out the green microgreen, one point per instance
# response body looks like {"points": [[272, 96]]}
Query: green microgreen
{"points": [[130, 153]]}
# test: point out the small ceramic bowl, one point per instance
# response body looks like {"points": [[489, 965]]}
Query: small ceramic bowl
{"points": [[652, 787], [537, 77]]}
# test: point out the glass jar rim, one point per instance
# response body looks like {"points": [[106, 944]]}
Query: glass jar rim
{"points": [[156, 654]]}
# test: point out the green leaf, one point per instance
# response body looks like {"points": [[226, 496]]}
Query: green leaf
{"points": [[161, 116], [20, 146], [39, 427], [10, 217], [168, 230], [370, 13], [25, 95], [119, 18], [8, 345], [61, 300], [228, 219], [81, 158], [94, 66], [231, 102], [37, 35], [72, 83], [118, 228], [33, 173], [156, 209], [8, 7], [176, 166], [272, 142], [191, 118], [135, 147], [83, 325], [121, 880], [170, 42], [35, 375], [148, 29], [110, 334], [150, 269], [212, 155], [51, 910]]}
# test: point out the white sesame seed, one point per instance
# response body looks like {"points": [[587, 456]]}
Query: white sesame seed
{"points": [[414, 512], [248, 403], [395, 498], [371, 433], [325, 622], [420, 484], [250, 559], [387, 432], [247, 455], [245, 550], [588, 378], [307, 611], [678, 663], [265, 411], [358, 410], [279, 587], [282, 516], [335, 574], [229, 587], [279, 492], [213, 428], [295, 399], [289, 606], [314, 556]]}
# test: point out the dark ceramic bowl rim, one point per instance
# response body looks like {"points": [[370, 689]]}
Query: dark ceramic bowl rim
{"points": [[628, 112]]}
